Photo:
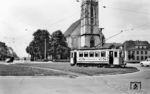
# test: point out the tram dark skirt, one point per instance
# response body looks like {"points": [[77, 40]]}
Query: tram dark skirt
{"points": [[91, 65], [98, 65]]}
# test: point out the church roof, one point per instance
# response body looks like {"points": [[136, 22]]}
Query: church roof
{"points": [[72, 28]]}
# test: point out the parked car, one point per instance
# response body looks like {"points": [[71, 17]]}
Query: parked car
{"points": [[145, 63]]}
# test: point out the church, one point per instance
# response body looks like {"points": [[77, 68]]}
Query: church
{"points": [[85, 32]]}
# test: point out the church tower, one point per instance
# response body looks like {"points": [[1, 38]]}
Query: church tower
{"points": [[90, 32]]}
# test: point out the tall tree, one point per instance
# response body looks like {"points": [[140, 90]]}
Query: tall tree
{"points": [[59, 47], [6, 52], [39, 44], [3, 51]]}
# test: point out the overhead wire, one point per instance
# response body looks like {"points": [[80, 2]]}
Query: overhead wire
{"points": [[63, 19], [128, 10]]}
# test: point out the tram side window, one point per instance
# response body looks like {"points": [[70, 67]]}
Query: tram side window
{"points": [[85, 54], [103, 54], [91, 54], [80, 54], [116, 55], [96, 54]]}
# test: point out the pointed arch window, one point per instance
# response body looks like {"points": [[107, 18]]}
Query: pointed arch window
{"points": [[92, 42]]}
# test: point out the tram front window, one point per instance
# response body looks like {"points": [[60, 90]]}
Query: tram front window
{"points": [[116, 55]]}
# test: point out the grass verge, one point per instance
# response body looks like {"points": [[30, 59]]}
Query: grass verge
{"points": [[16, 70], [90, 71]]}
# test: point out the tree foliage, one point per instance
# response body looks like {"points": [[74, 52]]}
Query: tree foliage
{"points": [[56, 45], [37, 47], [5, 52], [59, 47]]}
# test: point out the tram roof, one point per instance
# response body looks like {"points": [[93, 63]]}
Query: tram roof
{"points": [[94, 49]]}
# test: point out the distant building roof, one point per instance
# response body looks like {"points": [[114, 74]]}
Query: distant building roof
{"points": [[135, 45], [72, 28]]}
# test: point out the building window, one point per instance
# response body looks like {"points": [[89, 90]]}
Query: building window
{"points": [[103, 54], [141, 52], [91, 54], [80, 54], [92, 42], [128, 52], [137, 52], [142, 58], [137, 58], [129, 57], [146, 52], [136, 47], [133, 52], [144, 47], [145, 57], [85, 54], [133, 57]]}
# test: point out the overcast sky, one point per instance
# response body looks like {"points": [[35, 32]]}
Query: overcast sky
{"points": [[20, 18]]}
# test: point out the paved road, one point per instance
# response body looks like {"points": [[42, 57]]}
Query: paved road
{"points": [[112, 84]]}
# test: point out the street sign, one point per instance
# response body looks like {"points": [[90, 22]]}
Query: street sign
{"points": [[135, 85]]}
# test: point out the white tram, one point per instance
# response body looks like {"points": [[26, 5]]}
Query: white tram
{"points": [[97, 57]]}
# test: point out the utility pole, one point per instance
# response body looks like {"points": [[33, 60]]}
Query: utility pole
{"points": [[45, 51]]}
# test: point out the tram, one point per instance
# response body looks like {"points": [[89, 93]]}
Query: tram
{"points": [[97, 57]]}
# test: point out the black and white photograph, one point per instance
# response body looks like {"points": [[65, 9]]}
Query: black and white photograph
{"points": [[74, 47]]}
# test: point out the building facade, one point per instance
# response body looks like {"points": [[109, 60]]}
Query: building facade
{"points": [[136, 51], [86, 32]]}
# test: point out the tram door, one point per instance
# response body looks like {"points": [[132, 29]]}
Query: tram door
{"points": [[73, 60], [111, 57], [116, 57]]}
